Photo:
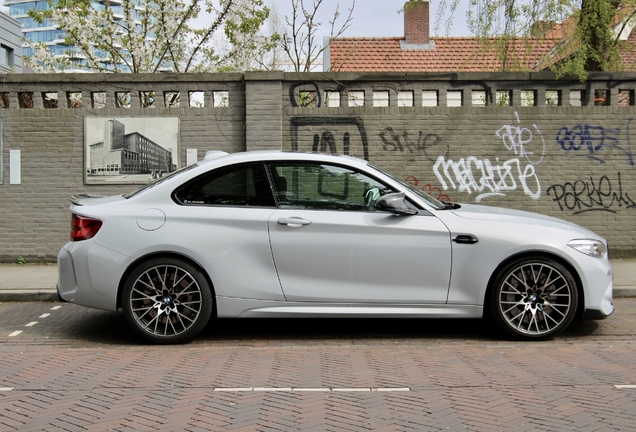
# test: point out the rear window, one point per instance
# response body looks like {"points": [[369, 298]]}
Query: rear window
{"points": [[243, 185], [158, 181]]}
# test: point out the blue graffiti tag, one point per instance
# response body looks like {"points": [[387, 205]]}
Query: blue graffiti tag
{"points": [[592, 140]]}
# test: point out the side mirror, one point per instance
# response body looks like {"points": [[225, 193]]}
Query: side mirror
{"points": [[395, 203]]}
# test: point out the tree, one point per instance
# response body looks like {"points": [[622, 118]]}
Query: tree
{"points": [[261, 50], [586, 40], [299, 42], [150, 35]]}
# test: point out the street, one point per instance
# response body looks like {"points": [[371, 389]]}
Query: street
{"points": [[66, 367]]}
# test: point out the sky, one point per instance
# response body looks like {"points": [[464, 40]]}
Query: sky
{"points": [[371, 18], [375, 18]]}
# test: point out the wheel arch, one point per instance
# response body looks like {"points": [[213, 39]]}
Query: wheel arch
{"points": [[166, 254], [580, 306]]}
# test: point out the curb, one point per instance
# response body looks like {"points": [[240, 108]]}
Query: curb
{"points": [[42, 295]]}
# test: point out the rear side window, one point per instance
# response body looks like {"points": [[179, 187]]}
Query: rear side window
{"points": [[239, 186]]}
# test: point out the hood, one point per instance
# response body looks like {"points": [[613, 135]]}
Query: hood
{"points": [[498, 214]]}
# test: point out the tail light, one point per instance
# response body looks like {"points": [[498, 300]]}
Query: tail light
{"points": [[84, 228]]}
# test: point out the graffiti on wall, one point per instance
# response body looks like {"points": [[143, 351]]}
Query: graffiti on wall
{"points": [[601, 194], [340, 135], [433, 191], [475, 175], [394, 142], [594, 141]]}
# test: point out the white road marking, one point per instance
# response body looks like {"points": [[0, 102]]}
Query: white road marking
{"points": [[6, 388], [55, 307], [31, 324], [15, 333], [625, 386], [44, 315], [312, 389]]}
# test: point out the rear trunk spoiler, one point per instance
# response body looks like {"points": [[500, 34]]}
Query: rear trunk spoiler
{"points": [[76, 199]]}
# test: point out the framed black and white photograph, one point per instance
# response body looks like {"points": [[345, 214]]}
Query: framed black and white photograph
{"points": [[129, 150]]}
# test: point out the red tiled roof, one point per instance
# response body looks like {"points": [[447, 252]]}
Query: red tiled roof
{"points": [[450, 54]]}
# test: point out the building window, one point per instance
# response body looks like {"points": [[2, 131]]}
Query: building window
{"points": [[405, 99], [454, 98], [380, 99], [553, 97], [576, 97], [196, 99], [332, 99], [172, 99], [6, 56], [478, 98], [98, 99], [307, 98], [147, 99], [429, 98], [528, 98], [74, 99], [356, 98], [221, 99], [122, 99], [601, 97], [504, 98], [625, 97]]}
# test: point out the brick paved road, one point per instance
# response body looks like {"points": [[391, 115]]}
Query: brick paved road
{"points": [[80, 369]]}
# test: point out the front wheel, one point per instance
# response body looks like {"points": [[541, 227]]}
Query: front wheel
{"points": [[166, 300], [533, 298]]}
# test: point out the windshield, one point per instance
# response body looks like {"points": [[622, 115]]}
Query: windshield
{"points": [[426, 197], [159, 180]]}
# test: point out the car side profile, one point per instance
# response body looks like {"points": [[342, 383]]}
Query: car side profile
{"points": [[285, 234]]}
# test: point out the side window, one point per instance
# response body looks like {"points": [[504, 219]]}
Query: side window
{"points": [[243, 185], [324, 187]]}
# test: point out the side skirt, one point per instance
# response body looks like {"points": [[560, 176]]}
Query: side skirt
{"points": [[247, 308]]}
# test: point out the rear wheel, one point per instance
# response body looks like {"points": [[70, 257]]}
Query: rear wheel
{"points": [[533, 298], [166, 300]]}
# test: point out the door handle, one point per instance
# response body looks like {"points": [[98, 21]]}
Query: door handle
{"points": [[293, 221], [465, 239]]}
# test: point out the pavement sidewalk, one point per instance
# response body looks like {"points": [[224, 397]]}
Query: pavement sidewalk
{"points": [[37, 282]]}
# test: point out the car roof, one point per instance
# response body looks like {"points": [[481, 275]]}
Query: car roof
{"points": [[220, 159]]}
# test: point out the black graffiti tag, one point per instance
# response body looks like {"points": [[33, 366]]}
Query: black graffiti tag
{"points": [[395, 142], [590, 195]]}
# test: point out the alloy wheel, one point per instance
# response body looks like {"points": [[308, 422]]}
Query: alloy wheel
{"points": [[165, 301], [536, 299]]}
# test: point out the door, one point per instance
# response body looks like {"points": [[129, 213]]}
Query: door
{"points": [[330, 245]]}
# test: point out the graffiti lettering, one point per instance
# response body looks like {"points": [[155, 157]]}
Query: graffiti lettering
{"points": [[394, 142], [475, 175], [522, 142], [433, 191], [584, 196], [590, 141]]}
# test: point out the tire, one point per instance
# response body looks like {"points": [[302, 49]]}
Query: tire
{"points": [[162, 311], [533, 298]]}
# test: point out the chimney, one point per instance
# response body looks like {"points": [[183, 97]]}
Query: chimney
{"points": [[416, 22]]}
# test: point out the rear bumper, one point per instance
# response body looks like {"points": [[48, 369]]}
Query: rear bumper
{"points": [[89, 275]]}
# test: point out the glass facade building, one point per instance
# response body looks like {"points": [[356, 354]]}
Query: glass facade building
{"points": [[48, 33]]}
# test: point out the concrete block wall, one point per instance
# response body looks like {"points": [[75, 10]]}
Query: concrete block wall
{"points": [[34, 215], [573, 162]]}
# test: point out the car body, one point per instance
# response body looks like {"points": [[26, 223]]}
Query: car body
{"points": [[285, 234]]}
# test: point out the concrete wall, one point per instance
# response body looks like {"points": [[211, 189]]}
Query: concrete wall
{"points": [[573, 162]]}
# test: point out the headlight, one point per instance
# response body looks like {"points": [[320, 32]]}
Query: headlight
{"points": [[594, 248]]}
